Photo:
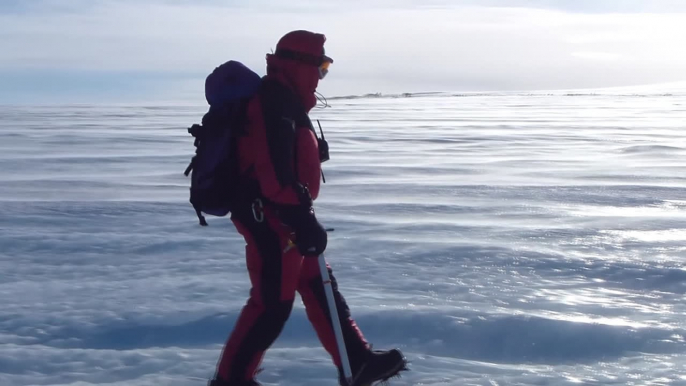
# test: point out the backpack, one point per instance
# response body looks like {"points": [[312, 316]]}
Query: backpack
{"points": [[215, 183]]}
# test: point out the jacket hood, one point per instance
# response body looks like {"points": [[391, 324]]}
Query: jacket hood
{"points": [[296, 63]]}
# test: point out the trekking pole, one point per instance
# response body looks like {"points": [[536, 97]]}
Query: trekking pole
{"points": [[333, 311]]}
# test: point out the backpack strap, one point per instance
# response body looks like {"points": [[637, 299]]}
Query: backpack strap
{"points": [[189, 168], [201, 218]]}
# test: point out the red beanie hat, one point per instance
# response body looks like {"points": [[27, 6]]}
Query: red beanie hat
{"points": [[304, 42]]}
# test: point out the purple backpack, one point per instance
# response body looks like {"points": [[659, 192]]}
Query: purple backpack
{"points": [[215, 184]]}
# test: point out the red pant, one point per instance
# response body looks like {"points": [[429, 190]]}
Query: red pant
{"points": [[277, 271]]}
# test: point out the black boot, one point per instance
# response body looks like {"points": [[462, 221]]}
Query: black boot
{"points": [[379, 366]]}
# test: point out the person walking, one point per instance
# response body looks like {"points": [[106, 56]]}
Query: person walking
{"points": [[280, 155]]}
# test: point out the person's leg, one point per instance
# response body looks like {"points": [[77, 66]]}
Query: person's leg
{"points": [[368, 366], [274, 275], [311, 290]]}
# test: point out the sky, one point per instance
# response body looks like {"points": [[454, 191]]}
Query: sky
{"points": [[93, 51]]}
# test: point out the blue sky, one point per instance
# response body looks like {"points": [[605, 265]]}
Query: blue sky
{"points": [[82, 51]]}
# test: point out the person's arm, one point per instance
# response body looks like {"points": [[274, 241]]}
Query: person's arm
{"points": [[275, 167]]}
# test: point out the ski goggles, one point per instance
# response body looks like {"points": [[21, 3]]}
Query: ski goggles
{"points": [[324, 67], [322, 62]]}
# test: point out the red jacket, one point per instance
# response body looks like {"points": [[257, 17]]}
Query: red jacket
{"points": [[280, 148]]}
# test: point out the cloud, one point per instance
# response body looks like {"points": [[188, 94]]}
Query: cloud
{"points": [[386, 46]]}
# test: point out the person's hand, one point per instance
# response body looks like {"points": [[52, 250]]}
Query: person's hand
{"points": [[310, 236]]}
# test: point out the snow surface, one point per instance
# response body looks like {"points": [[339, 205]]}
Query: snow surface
{"points": [[497, 239]]}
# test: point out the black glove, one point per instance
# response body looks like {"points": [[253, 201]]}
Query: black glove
{"points": [[310, 235]]}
